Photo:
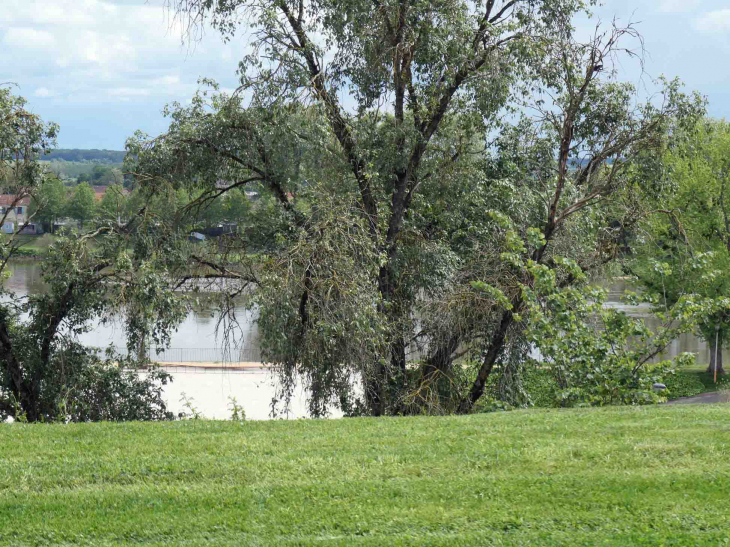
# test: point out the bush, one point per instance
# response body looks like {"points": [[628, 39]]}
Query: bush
{"points": [[688, 383], [108, 392], [88, 389]]}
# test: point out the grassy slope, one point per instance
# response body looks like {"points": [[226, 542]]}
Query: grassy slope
{"points": [[619, 476]]}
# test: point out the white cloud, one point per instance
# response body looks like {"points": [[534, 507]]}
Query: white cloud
{"points": [[60, 13], [677, 6], [167, 80], [714, 22], [128, 92], [103, 51], [44, 92], [30, 38]]}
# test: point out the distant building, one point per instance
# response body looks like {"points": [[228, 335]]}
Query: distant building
{"points": [[99, 192], [14, 210], [15, 214]]}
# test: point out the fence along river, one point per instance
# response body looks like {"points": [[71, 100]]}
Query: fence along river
{"points": [[212, 373]]}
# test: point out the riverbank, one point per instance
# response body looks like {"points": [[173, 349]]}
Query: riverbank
{"points": [[33, 247], [611, 477]]}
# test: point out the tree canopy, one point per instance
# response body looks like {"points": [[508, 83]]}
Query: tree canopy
{"points": [[80, 155]]}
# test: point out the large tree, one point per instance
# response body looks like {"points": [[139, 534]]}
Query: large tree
{"points": [[372, 124]]}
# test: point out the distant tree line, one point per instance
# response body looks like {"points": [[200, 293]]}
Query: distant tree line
{"points": [[80, 155]]}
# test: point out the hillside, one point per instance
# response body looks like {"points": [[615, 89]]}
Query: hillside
{"points": [[617, 476]]}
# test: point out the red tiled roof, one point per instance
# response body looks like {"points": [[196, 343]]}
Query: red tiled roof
{"points": [[6, 200], [99, 192]]}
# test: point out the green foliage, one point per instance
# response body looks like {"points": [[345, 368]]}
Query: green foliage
{"points": [[114, 204], [545, 392], [238, 414], [82, 205], [92, 173], [45, 373], [23, 137], [612, 477], [341, 334], [690, 382], [686, 250], [191, 412], [94, 391], [596, 355], [412, 222], [50, 202], [602, 356]]}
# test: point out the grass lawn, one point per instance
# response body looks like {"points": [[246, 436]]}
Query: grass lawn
{"points": [[618, 476]]}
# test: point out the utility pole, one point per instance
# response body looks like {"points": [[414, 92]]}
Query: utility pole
{"points": [[717, 337]]}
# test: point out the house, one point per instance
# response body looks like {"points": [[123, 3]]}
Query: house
{"points": [[13, 209], [14, 214]]}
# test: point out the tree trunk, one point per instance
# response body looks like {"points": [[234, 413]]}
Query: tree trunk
{"points": [[716, 349], [441, 359], [493, 352], [386, 374]]}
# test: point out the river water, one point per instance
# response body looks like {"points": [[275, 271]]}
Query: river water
{"points": [[210, 389]]}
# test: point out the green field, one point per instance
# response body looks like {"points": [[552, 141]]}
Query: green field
{"points": [[618, 476]]}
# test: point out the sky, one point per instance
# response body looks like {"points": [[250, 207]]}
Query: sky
{"points": [[104, 69]]}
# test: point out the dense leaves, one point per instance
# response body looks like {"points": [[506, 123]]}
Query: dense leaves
{"points": [[685, 250]]}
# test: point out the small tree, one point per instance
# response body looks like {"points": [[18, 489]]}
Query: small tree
{"points": [[113, 205], [45, 373], [50, 202], [82, 205], [685, 250]]}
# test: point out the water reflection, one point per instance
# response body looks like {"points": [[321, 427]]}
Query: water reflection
{"points": [[195, 339]]}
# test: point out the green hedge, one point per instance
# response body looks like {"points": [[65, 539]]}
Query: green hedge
{"points": [[687, 383], [684, 383]]}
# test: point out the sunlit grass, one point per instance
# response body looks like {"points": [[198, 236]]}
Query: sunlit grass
{"points": [[619, 476]]}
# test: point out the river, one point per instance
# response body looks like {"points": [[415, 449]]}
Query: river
{"points": [[210, 388]]}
